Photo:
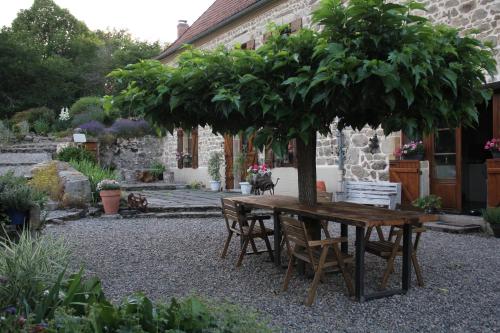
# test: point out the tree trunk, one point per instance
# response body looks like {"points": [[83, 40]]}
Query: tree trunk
{"points": [[306, 169]]}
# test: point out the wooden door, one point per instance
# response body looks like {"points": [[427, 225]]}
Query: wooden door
{"points": [[408, 174], [444, 151], [252, 157], [228, 156], [493, 167]]}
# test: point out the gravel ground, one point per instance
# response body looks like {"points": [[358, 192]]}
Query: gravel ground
{"points": [[175, 257]]}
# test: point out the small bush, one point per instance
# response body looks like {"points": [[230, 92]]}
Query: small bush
{"points": [[34, 114], [85, 105], [76, 154], [87, 117], [157, 169], [492, 215], [6, 135], [46, 180], [61, 125], [127, 128], [94, 173], [29, 267], [93, 127], [21, 129], [41, 127]]}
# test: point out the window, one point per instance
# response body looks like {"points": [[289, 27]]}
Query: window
{"points": [[187, 148], [288, 160], [293, 27]]}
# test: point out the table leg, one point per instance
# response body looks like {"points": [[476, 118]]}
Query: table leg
{"points": [[406, 278], [344, 232], [277, 238], [359, 282]]}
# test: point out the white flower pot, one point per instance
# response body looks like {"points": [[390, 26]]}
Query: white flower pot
{"points": [[215, 185], [246, 188]]}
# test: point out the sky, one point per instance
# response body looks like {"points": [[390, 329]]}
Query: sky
{"points": [[149, 20]]}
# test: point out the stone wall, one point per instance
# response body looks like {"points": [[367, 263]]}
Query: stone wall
{"points": [[129, 155]]}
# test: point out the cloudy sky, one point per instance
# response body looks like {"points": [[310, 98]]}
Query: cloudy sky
{"points": [[146, 19]]}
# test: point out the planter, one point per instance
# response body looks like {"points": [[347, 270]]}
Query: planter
{"points": [[495, 154], [246, 188], [110, 201], [496, 229], [320, 186], [17, 217], [215, 185], [414, 157]]}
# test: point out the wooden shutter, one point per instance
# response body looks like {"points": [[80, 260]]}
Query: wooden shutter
{"points": [[296, 25], [266, 36], [496, 115], [228, 156], [493, 167], [408, 174], [194, 148], [180, 141]]}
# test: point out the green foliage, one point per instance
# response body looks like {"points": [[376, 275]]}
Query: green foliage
{"points": [[195, 185], [86, 104], [157, 168], [76, 154], [429, 203], [41, 127], [492, 215], [374, 63], [19, 197], [20, 130], [6, 135], [46, 179], [29, 266], [94, 173], [214, 164], [35, 114]]}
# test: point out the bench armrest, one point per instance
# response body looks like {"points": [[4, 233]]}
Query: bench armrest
{"points": [[327, 241]]}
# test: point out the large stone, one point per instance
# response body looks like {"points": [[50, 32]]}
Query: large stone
{"points": [[76, 189], [359, 140], [379, 165], [359, 171], [352, 156]]}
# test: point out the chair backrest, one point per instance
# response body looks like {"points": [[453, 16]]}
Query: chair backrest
{"points": [[373, 193], [324, 196], [295, 232], [229, 210]]}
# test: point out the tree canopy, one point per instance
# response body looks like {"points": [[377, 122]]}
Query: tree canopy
{"points": [[50, 58], [372, 63]]}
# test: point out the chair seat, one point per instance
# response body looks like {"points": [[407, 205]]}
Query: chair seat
{"points": [[330, 261], [256, 232], [382, 248]]}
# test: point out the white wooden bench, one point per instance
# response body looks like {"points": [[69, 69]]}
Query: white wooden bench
{"points": [[371, 193]]}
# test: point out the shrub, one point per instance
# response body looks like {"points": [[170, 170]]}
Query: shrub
{"points": [[85, 105], [428, 203], [35, 114], [76, 154], [18, 197], [87, 117], [157, 169], [93, 128], [29, 266], [492, 215], [94, 173], [61, 125], [41, 127], [6, 135], [21, 129], [46, 180], [127, 128]]}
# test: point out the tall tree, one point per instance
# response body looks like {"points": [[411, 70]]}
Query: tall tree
{"points": [[374, 63]]}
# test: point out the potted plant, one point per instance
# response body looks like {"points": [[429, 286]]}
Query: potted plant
{"points": [[246, 187], [257, 174], [492, 216], [494, 147], [109, 190], [157, 170], [238, 167], [214, 164], [17, 201], [414, 150], [430, 204]]}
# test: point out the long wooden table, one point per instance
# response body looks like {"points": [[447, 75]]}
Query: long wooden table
{"points": [[347, 214]]}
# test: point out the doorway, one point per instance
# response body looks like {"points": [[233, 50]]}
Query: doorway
{"points": [[474, 173]]}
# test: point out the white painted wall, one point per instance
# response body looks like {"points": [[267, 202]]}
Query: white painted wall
{"points": [[288, 183]]}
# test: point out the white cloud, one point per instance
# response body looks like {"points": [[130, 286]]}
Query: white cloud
{"points": [[145, 19]]}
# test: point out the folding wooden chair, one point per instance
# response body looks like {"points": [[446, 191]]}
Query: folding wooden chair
{"points": [[314, 252], [237, 224], [389, 250]]}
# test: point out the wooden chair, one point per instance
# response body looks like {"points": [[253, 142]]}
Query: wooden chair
{"points": [[314, 252], [389, 250], [237, 224], [324, 197]]}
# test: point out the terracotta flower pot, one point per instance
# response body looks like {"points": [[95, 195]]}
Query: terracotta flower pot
{"points": [[110, 201]]}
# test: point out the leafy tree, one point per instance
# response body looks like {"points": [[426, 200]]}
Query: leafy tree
{"points": [[374, 63]]}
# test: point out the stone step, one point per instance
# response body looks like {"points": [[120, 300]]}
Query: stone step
{"points": [[173, 215], [454, 227], [19, 170], [9, 159], [30, 150], [59, 216], [136, 187]]}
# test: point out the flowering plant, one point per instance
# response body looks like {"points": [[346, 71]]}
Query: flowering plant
{"points": [[259, 170], [493, 145], [64, 115], [410, 149], [108, 184]]}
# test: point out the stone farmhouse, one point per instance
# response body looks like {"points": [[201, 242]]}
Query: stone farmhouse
{"points": [[455, 161]]}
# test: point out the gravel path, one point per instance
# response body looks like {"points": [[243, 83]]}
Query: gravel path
{"points": [[166, 258]]}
